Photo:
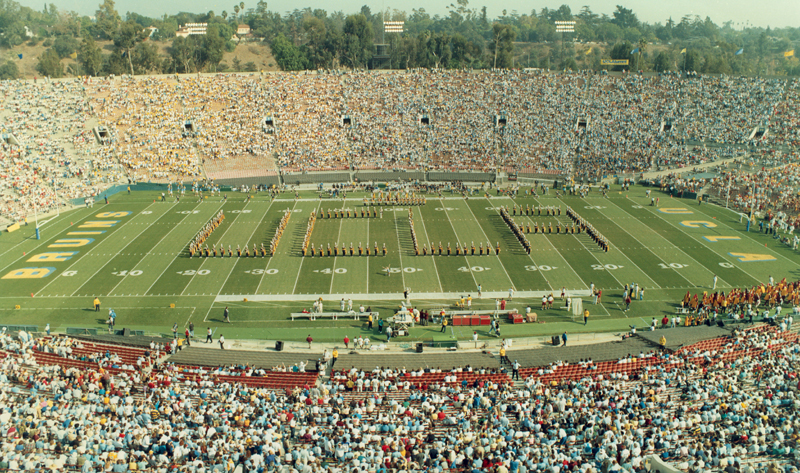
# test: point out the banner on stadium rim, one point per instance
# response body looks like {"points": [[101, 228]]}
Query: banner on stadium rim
{"points": [[614, 62]]}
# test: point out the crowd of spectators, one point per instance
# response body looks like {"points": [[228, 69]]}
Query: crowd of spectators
{"points": [[766, 191], [726, 404], [47, 152], [171, 128]]}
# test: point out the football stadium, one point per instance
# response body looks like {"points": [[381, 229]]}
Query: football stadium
{"points": [[421, 270]]}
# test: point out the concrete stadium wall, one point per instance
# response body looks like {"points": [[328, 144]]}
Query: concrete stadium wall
{"points": [[366, 176]]}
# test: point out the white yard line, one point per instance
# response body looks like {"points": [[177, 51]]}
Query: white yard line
{"points": [[303, 258], [623, 255], [465, 258], [271, 258], [154, 246], [427, 238], [367, 285], [248, 242], [338, 238], [399, 250], [528, 217], [191, 279], [621, 285], [648, 249], [190, 316], [177, 254], [88, 253], [487, 239], [43, 242], [710, 249], [776, 253], [529, 255]]}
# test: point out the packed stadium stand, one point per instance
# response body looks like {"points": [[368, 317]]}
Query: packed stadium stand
{"points": [[284, 128], [713, 399]]}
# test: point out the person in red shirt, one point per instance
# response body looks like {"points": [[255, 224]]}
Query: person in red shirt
{"points": [[346, 342], [309, 340]]}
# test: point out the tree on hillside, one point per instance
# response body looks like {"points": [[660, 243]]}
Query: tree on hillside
{"points": [[691, 61], [50, 64], [146, 59], [182, 54], [90, 56], [126, 39], [622, 51], [9, 70], [662, 62], [107, 19], [503, 37], [357, 40], [287, 55], [212, 48], [625, 18]]}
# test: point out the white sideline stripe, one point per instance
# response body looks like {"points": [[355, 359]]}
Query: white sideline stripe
{"points": [[389, 296]]}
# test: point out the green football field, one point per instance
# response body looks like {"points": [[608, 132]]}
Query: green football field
{"points": [[132, 254]]}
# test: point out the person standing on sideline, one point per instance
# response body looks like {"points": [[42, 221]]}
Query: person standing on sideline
{"points": [[227, 315], [191, 329], [97, 304], [174, 330], [715, 283], [188, 337], [515, 370], [346, 341], [585, 317], [309, 340], [444, 323], [480, 290], [334, 357], [221, 342], [564, 338], [369, 321], [342, 304], [388, 333], [47, 329], [771, 281], [511, 293], [209, 336]]}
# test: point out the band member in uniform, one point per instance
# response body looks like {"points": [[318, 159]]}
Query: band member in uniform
{"points": [[497, 251]]}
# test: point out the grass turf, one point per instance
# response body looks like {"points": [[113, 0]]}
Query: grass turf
{"points": [[138, 264]]}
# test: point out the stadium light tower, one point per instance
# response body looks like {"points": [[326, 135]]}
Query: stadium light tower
{"points": [[382, 50], [564, 27]]}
